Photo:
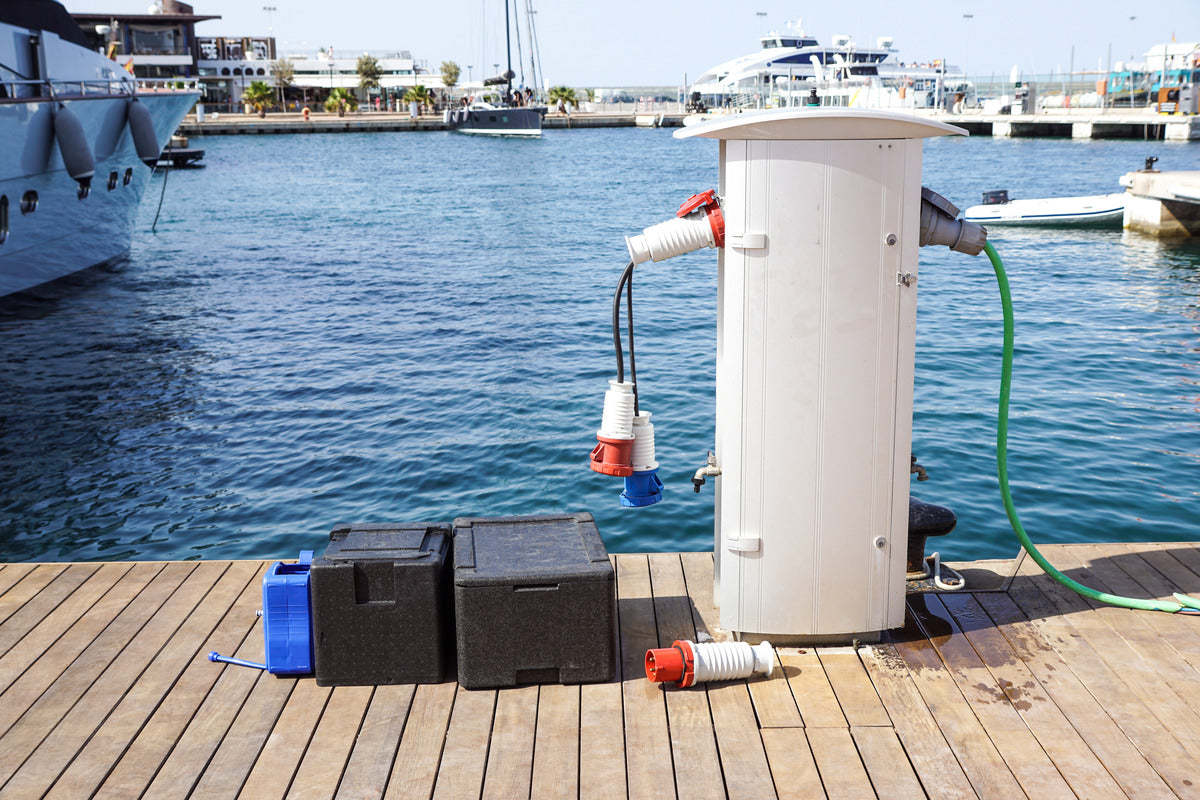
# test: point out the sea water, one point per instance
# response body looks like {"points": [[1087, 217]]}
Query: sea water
{"points": [[417, 326]]}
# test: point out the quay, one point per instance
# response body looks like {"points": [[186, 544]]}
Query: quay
{"points": [[1077, 124], [381, 121], [1014, 687], [1165, 204]]}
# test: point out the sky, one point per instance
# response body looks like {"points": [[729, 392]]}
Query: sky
{"points": [[658, 43]]}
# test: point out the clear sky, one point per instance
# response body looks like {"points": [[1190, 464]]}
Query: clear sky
{"points": [[658, 42]]}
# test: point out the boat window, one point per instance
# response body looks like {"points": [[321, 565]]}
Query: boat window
{"points": [[112, 180], [29, 202], [128, 176], [3, 218]]}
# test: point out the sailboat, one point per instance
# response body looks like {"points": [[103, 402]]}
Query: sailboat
{"points": [[490, 112]]}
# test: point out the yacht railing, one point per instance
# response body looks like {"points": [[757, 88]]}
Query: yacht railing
{"points": [[35, 90]]}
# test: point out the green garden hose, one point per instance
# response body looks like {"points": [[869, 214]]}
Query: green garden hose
{"points": [[1002, 470]]}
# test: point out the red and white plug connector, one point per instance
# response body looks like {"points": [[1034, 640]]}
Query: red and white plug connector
{"points": [[698, 223], [685, 663]]}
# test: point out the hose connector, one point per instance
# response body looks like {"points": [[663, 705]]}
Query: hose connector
{"points": [[940, 225], [698, 223]]}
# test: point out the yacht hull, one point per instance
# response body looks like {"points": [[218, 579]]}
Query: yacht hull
{"points": [[496, 121], [64, 232]]}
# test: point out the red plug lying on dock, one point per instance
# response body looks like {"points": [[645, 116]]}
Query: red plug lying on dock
{"points": [[685, 663]]}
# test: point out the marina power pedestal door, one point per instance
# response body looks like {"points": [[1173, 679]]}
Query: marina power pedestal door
{"points": [[816, 329]]}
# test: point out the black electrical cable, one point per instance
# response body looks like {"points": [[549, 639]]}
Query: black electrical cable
{"points": [[629, 325], [625, 286], [616, 321]]}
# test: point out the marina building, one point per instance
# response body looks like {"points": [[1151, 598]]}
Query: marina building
{"points": [[162, 46]]}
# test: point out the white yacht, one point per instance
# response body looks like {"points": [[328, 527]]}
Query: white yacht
{"points": [[77, 144], [794, 69]]}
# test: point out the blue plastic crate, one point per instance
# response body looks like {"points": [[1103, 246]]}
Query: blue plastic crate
{"points": [[287, 617]]}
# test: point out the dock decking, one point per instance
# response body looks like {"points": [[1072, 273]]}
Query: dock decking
{"points": [[1024, 691]]}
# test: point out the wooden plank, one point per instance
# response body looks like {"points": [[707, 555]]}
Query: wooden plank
{"points": [[1054, 632], [931, 756], [989, 774], [811, 689], [855, 693], [739, 743], [1161, 574], [11, 575], [117, 604], [1140, 672], [1189, 556], [698, 572], [420, 752], [126, 669], [238, 712], [57, 622], [137, 766], [271, 773], [510, 760], [1017, 745], [97, 757], [326, 756], [648, 755], [842, 771], [1176, 643], [743, 758], [773, 702], [464, 757], [556, 744], [601, 742], [1049, 673], [1009, 677], [793, 770], [30, 585], [693, 744], [37, 608], [370, 763], [887, 765], [44, 712]]}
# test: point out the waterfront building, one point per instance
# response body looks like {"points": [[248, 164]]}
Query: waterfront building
{"points": [[154, 46], [162, 46]]}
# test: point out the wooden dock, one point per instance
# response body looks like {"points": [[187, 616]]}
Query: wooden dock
{"points": [[1016, 688]]}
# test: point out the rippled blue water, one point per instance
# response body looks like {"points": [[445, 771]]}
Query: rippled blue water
{"points": [[401, 327]]}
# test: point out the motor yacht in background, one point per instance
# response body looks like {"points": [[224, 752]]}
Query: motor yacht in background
{"points": [[78, 140]]}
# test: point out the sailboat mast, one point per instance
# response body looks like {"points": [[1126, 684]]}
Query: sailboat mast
{"points": [[507, 51]]}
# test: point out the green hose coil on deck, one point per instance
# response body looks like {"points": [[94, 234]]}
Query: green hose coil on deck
{"points": [[1002, 467]]}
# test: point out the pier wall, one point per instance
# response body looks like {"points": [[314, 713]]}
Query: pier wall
{"points": [[1164, 204], [1076, 124]]}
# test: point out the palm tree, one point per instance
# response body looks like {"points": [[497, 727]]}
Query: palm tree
{"points": [[340, 101], [258, 96], [419, 94], [562, 95]]}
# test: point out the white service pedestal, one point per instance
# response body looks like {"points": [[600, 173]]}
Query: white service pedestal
{"points": [[816, 328]]}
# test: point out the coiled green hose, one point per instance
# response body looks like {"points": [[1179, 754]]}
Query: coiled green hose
{"points": [[1002, 467]]}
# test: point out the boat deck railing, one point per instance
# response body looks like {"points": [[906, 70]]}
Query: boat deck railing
{"points": [[25, 91]]}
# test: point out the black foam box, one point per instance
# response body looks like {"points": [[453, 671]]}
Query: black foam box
{"points": [[533, 601], [381, 605]]}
